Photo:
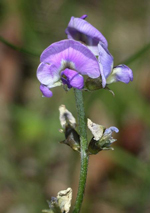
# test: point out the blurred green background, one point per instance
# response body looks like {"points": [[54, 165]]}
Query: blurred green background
{"points": [[33, 165]]}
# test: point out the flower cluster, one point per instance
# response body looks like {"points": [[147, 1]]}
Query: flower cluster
{"points": [[85, 52], [101, 140]]}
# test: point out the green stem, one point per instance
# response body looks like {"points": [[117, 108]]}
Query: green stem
{"points": [[137, 55], [20, 49], [84, 144]]}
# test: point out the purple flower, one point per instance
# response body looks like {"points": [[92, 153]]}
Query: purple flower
{"points": [[109, 74], [120, 73], [80, 30], [65, 62], [99, 132], [107, 135]]}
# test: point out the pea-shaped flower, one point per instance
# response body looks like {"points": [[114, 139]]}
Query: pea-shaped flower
{"points": [[65, 62], [109, 74], [81, 30]]}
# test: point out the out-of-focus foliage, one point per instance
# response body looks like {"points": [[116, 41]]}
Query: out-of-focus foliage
{"points": [[33, 164]]}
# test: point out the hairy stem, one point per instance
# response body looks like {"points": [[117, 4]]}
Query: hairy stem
{"points": [[84, 156]]}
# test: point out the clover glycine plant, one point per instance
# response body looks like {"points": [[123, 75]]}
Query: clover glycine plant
{"points": [[84, 63]]}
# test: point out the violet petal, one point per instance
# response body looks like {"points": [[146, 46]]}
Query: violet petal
{"points": [[80, 30], [110, 130], [73, 78], [120, 73], [105, 61], [84, 16], [73, 55], [48, 74], [45, 91]]}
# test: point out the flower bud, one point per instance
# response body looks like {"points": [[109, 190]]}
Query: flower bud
{"points": [[93, 84], [72, 138], [66, 117], [68, 122], [102, 138]]}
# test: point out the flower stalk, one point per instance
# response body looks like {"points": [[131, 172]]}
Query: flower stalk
{"points": [[84, 146]]}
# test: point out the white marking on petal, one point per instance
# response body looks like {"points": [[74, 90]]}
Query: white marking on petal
{"points": [[55, 84], [67, 64]]}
